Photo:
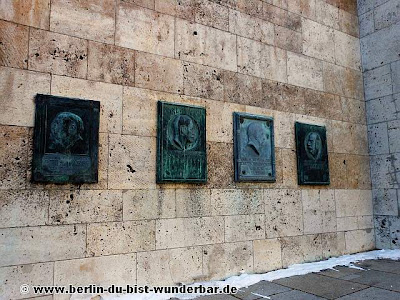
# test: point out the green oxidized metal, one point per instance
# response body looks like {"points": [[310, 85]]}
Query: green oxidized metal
{"points": [[181, 143]]}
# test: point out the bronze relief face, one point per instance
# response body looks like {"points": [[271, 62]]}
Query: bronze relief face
{"points": [[313, 145], [183, 132]]}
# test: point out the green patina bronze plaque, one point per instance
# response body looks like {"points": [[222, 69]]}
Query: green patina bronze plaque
{"points": [[181, 143], [254, 157], [312, 154], [65, 142]]}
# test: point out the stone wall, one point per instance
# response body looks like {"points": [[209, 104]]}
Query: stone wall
{"points": [[380, 46], [296, 60]]}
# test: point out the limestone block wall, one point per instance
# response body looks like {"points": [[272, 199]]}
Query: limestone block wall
{"points": [[296, 60], [380, 47]]}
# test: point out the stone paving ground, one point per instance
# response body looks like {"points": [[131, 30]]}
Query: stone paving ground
{"points": [[380, 279]]}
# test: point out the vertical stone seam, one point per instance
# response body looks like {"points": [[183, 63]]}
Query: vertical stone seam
{"points": [[174, 35], [116, 6], [87, 61]]}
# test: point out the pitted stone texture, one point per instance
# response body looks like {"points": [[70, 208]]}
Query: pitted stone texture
{"points": [[327, 14], [205, 45], [385, 202], [353, 110], [85, 206], [33, 275], [13, 157], [351, 203], [225, 260], [283, 97], [144, 30], [394, 136], [131, 162], [23, 208], [244, 228], [282, 216], [57, 53], [333, 244], [378, 139], [193, 202], [366, 24], [148, 204], [322, 105], [13, 45], [111, 64], [300, 249], [284, 130], [120, 237], [281, 17], [348, 23], [27, 12], [220, 165], [211, 14], [306, 8], [387, 14], [358, 172], [86, 19], [261, 60], [304, 71], [145, 3], [347, 223], [288, 39], [267, 255], [184, 9], [378, 82], [18, 89], [109, 95], [385, 171], [386, 108], [318, 41], [338, 170], [184, 232], [170, 267], [26, 245], [243, 89], [359, 240], [237, 201]]}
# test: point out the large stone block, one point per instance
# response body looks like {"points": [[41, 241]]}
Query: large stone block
{"points": [[27, 12], [211, 14], [89, 19], [394, 136], [358, 172], [322, 105], [261, 60], [225, 260], [120, 237], [348, 23], [13, 45], [347, 50], [338, 170], [318, 41], [281, 16], [23, 208], [327, 14], [366, 24], [205, 45], [220, 165], [193, 202], [11, 278], [36, 244], [378, 82], [304, 71], [237, 201], [300, 249], [396, 78], [244, 228], [353, 110], [385, 202], [184, 232], [306, 8], [387, 14], [333, 244], [288, 39], [347, 223], [267, 255], [57, 53], [359, 240], [378, 139], [17, 92], [144, 30], [385, 171], [170, 267], [284, 130], [282, 216], [382, 109], [350, 203], [184, 9]]}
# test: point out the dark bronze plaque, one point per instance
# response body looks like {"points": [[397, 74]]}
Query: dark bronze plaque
{"points": [[253, 148], [181, 143], [312, 154], [65, 143]]}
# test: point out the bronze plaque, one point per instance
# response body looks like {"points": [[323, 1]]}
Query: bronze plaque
{"points": [[181, 143], [312, 154], [254, 157], [65, 140]]}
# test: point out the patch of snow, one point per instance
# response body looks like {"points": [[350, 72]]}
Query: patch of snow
{"points": [[245, 280]]}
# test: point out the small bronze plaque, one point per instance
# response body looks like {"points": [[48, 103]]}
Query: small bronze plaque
{"points": [[312, 154], [65, 143], [253, 148], [181, 143]]}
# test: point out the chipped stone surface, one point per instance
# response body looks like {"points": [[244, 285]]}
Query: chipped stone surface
{"points": [[211, 14], [27, 12], [267, 255], [86, 19], [13, 45], [237, 201], [193, 202], [244, 228], [170, 267], [120, 237], [304, 71]]}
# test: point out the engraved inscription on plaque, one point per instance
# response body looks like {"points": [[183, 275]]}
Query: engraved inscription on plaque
{"points": [[65, 140], [253, 148], [312, 154], [181, 143]]}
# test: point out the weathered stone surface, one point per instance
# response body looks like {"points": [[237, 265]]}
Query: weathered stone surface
{"points": [[23, 208], [304, 71], [27, 12], [353, 110], [378, 139], [184, 232], [322, 105], [170, 267], [378, 82], [327, 14], [18, 89], [347, 223], [225, 260], [203, 81], [333, 244], [86, 19], [348, 23], [281, 213], [261, 60], [33, 275], [394, 136], [284, 130], [366, 24], [396, 79], [205, 45], [185, 9], [365, 222], [120, 237], [144, 30], [145, 3], [267, 255], [148, 204], [237, 201], [111, 64], [244, 228], [131, 162], [13, 157], [358, 172], [299, 249], [288, 39], [384, 171], [220, 165], [281, 17], [387, 14], [382, 109], [158, 73], [109, 95], [359, 240], [318, 41], [58, 54], [26, 245], [13, 45], [337, 170], [350, 203], [211, 14], [193, 202], [319, 211], [306, 8], [347, 50], [385, 202], [243, 89]]}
